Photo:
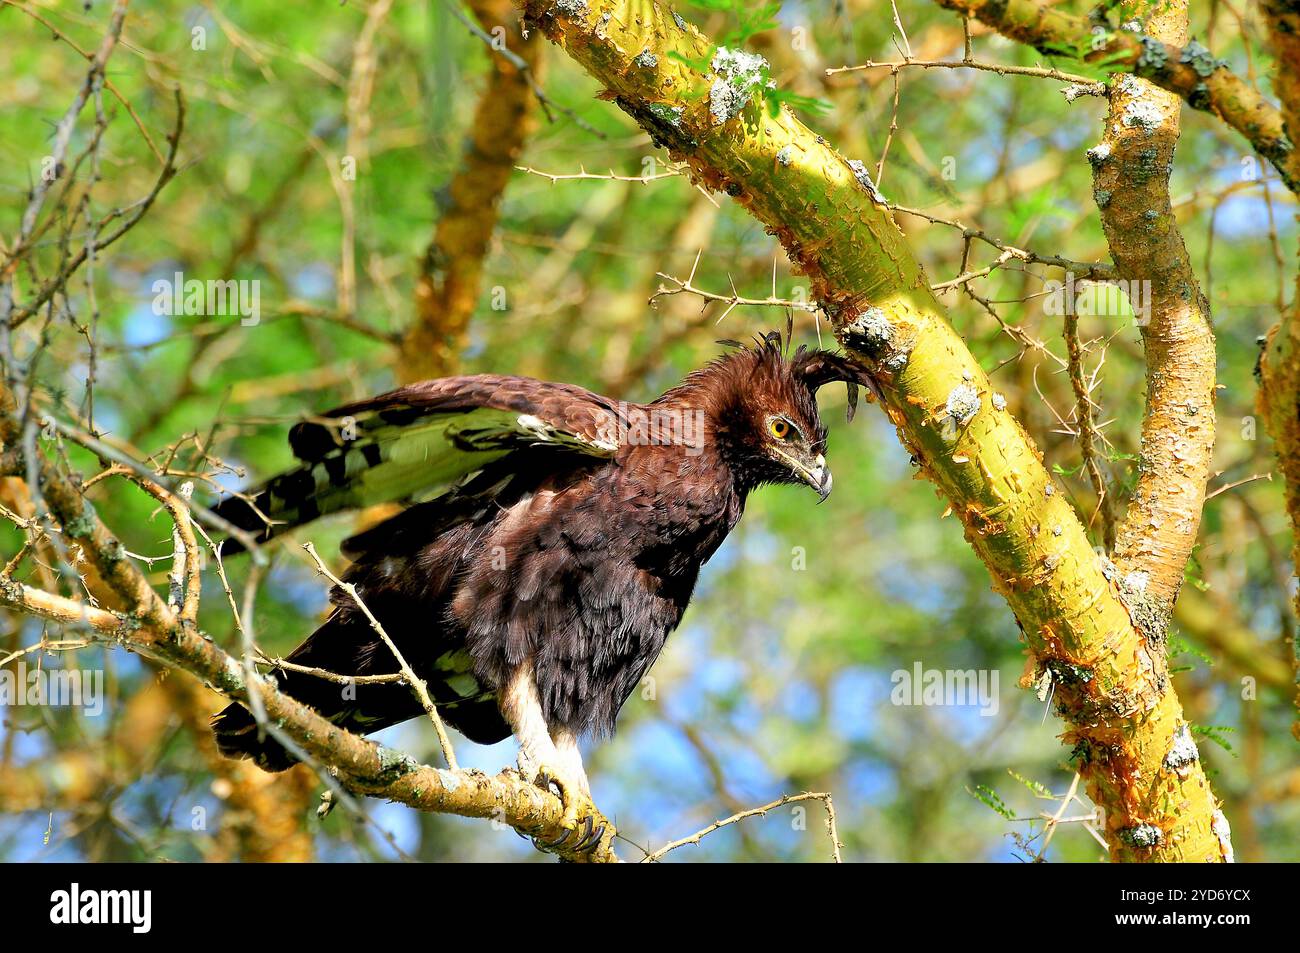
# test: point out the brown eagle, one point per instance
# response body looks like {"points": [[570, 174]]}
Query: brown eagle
{"points": [[550, 541]]}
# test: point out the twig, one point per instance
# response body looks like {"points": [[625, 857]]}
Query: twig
{"points": [[417, 684], [695, 838], [251, 678], [611, 176], [63, 132], [1092, 271], [1036, 71], [201, 513], [1055, 820], [1232, 486], [284, 665], [14, 316], [732, 301], [108, 83], [1086, 430], [519, 63]]}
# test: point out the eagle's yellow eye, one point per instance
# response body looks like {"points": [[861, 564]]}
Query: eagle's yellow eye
{"points": [[780, 429]]}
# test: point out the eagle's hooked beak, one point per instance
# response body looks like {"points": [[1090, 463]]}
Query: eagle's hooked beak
{"points": [[818, 476]]}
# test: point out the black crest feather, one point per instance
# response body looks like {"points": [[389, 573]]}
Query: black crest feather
{"points": [[816, 368]]}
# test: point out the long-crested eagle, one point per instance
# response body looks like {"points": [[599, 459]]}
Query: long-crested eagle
{"points": [[550, 541]]}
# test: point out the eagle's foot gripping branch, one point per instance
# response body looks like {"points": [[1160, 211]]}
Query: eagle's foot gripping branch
{"points": [[584, 827]]}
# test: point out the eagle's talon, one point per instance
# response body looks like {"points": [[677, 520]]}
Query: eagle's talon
{"points": [[562, 842], [582, 825], [569, 793], [591, 836], [595, 834]]}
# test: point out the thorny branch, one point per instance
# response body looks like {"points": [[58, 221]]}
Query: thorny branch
{"points": [[732, 301], [1083, 415], [1188, 70], [1131, 186], [699, 835], [414, 681], [1002, 69], [611, 176], [867, 279], [11, 313], [527, 70]]}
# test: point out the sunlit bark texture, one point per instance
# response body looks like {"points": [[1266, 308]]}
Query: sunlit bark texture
{"points": [[1103, 649], [1131, 169]]}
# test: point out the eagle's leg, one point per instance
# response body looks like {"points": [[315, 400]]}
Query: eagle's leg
{"points": [[551, 759], [566, 745]]}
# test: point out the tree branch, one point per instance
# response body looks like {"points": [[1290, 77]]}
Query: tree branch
{"points": [[1190, 71], [1131, 170], [831, 830], [1126, 724]]}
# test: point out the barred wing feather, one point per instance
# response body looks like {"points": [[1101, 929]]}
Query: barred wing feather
{"points": [[411, 445]]}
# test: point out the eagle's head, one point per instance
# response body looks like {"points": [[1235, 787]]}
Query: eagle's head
{"points": [[763, 406]]}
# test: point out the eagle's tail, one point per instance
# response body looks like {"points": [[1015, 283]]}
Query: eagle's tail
{"points": [[343, 645]]}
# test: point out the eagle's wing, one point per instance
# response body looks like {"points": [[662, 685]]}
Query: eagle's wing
{"points": [[414, 443]]}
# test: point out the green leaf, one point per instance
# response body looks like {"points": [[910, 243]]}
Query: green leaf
{"points": [[988, 797], [1033, 786], [1215, 733]]}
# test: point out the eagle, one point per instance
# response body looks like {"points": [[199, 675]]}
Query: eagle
{"points": [[549, 541]]}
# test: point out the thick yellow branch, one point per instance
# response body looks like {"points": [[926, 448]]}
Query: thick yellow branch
{"points": [[1131, 168], [1107, 658], [1189, 71]]}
